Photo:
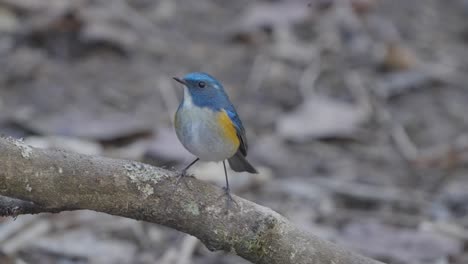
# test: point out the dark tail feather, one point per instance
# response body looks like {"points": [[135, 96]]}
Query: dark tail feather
{"points": [[239, 163]]}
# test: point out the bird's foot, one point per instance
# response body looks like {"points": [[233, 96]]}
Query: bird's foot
{"points": [[181, 178], [229, 199]]}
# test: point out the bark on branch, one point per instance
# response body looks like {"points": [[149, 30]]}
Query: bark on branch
{"points": [[36, 180]]}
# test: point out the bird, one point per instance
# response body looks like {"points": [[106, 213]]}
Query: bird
{"points": [[208, 126]]}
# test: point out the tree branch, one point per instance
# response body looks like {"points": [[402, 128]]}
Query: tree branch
{"points": [[52, 181], [14, 207]]}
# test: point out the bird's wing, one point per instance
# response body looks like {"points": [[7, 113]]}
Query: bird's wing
{"points": [[239, 129]]}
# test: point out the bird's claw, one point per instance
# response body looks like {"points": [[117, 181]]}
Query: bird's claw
{"points": [[183, 174], [229, 199]]}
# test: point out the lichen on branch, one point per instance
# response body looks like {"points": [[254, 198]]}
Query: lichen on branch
{"points": [[36, 180]]}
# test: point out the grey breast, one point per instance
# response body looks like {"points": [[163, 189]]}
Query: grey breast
{"points": [[198, 130]]}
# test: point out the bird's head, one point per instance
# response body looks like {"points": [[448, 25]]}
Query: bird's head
{"points": [[203, 90]]}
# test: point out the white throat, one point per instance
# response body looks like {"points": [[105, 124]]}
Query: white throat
{"points": [[188, 102]]}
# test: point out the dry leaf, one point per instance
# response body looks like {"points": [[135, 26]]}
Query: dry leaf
{"points": [[321, 117], [269, 16], [166, 147], [65, 143], [398, 57], [399, 244]]}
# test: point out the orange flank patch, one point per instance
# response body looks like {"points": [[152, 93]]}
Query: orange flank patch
{"points": [[227, 128]]}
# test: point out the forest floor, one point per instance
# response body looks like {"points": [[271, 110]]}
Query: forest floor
{"points": [[356, 113]]}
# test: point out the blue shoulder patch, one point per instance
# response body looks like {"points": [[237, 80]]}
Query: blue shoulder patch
{"points": [[235, 118]]}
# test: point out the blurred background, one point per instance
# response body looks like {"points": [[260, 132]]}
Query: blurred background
{"points": [[356, 113]]}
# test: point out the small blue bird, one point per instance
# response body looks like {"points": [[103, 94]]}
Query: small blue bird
{"points": [[208, 125]]}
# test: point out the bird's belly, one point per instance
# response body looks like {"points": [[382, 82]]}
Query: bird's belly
{"points": [[201, 135]]}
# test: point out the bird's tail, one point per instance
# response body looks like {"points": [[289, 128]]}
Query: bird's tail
{"points": [[239, 163]]}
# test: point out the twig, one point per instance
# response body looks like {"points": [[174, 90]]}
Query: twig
{"points": [[13, 207]]}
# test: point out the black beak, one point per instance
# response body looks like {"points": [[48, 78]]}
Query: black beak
{"points": [[180, 80]]}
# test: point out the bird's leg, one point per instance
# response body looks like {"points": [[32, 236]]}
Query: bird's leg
{"points": [[183, 173], [227, 190]]}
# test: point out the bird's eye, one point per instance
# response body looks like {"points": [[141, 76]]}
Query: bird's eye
{"points": [[201, 84]]}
